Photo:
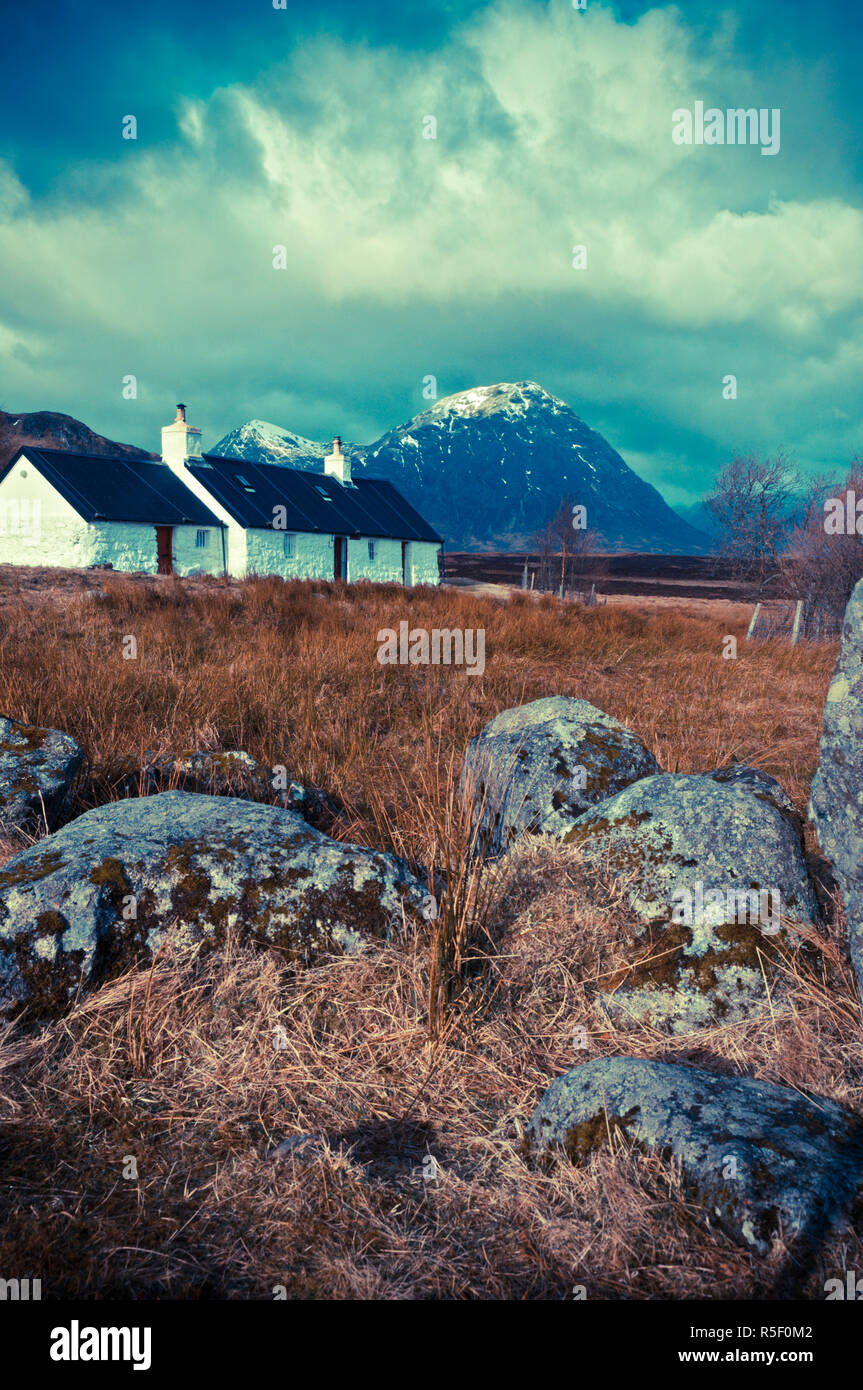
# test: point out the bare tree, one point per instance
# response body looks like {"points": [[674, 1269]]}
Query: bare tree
{"points": [[824, 559], [567, 552], [752, 504], [544, 543]]}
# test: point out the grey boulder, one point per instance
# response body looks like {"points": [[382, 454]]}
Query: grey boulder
{"points": [[103, 892], [713, 873], [759, 783], [535, 768], [763, 1160], [36, 770], [836, 797]]}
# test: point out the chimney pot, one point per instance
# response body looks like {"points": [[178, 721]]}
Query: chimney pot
{"points": [[181, 414]]}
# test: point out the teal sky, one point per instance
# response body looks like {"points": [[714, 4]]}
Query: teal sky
{"points": [[450, 257]]}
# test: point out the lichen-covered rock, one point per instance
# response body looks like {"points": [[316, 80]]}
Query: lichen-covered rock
{"points": [[102, 892], [762, 1159], [36, 770], [710, 869], [537, 767], [836, 798], [760, 784], [231, 773]]}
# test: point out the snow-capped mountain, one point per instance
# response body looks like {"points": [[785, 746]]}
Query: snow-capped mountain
{"points": [[488, 467], [261, 442]]}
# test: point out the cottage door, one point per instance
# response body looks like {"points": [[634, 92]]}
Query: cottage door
{"points": [[339, 557], [165, 549]]}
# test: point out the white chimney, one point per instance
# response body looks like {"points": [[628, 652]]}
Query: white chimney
{"points": [[180, 441], [338, 465]]}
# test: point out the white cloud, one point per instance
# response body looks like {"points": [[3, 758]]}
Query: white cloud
{"points": [[554, 128]]}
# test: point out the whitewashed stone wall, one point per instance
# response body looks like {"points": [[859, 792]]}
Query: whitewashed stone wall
{"points": [[37, 527], [422, 563], [132, 547], [189, 558], [312, 558], [385, 568]]}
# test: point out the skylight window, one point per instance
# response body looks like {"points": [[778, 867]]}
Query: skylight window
{"points": [[246, 484], [326, 496]]}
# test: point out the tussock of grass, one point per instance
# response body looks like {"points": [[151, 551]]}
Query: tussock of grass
{"points": [[176, 1066]]}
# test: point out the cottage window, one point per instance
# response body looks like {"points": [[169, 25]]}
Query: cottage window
{"points": [[289, 545], [202, 539], [371, 551]]}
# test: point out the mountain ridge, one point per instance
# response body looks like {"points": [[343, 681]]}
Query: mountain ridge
{"points": [[513, 444], [486, 467]]}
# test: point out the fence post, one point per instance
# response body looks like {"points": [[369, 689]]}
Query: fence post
{"points": [[795, 631], [751, 628], [524, 576]]}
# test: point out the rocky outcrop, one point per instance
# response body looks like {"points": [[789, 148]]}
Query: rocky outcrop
{"points": [[836, 799], [535, 768], [103, 892], [36, 771], [762, 1160], [712, 870]]}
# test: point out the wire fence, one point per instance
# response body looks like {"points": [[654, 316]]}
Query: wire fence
{"points": [[802, 621]]}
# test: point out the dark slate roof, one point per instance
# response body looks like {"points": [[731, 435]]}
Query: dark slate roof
{"points": [[101, 488], [313, 501]]}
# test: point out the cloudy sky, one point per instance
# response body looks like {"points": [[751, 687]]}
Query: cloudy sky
{"points": [[304, 127]]}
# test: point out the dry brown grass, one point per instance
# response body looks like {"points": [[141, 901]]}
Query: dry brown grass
{"points": [[177, 1066], [288, 672]]}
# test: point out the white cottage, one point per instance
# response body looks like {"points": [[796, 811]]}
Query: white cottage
{"points": [[75, 510], [197, 512]]}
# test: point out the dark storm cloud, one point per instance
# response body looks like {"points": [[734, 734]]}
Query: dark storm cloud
{"points": [[405, 256]]}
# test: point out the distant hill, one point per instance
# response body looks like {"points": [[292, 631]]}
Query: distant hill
{"points": [[697, 515], [54, 431], [488, 466]]}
